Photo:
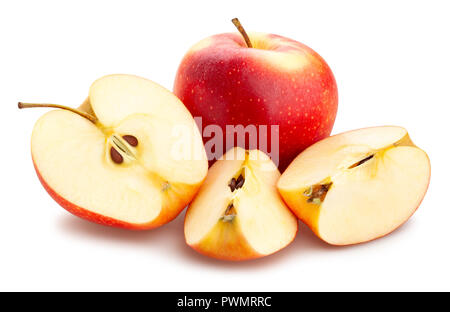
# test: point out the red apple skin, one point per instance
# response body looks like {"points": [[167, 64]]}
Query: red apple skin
{"points": [[167, 214], [279, 82]]}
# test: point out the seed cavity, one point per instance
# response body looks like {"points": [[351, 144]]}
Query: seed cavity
{"points": [[230, 213], [359, 163], [132, 140], [236, 184], [118, 144], [115, 156], [317, 193]]}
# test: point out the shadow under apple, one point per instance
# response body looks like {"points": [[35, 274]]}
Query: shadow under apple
{"points": [[170, 240]]}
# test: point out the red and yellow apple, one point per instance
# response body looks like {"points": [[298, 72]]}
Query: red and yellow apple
{"points": [[278, 81], [131, 156], [357, 186], [238, 213]]}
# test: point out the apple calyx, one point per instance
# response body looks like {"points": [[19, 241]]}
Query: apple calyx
{"points": [[89, 117], [241, 29]]}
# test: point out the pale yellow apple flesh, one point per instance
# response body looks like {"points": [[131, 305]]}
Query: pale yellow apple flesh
{"points": [[152, 182], [357, 186], [248, 222]]}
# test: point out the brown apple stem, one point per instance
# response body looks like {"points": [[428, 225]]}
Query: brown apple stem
{"points": [[242, 31], [73, 110]]}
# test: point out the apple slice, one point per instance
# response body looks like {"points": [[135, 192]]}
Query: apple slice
{"points": [[131, 157], [238, 213], [357, 186]]}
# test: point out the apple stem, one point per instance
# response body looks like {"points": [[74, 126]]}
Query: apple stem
{"points": [[241, 29], [73, 110]]}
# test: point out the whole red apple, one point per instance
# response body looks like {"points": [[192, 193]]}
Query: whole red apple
{"points": [[259, 80]]}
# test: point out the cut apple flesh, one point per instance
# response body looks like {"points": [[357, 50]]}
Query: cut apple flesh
{"points": [[357, 186], [238, 213], [140, 164]]}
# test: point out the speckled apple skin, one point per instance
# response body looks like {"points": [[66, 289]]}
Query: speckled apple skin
{"points": [[226, 83]]}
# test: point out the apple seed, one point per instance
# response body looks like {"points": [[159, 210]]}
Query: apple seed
{"points": [[232, 184], [132, 140], [359, 163], [240, 182], [236, 183], [115, 156]]}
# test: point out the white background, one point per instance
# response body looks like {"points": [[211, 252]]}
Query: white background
{"points": [[391, 60]]}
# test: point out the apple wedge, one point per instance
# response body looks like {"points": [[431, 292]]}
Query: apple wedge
{"points": [[357, 186], [238, 213], [130, 157]]}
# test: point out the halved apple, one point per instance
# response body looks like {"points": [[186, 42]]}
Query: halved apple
{"points": [[238, 213], [357, 186], [130, 157]]}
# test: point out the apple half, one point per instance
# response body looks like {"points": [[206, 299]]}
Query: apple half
{"points": [[130, 157], [238, 213], [357, 186]]}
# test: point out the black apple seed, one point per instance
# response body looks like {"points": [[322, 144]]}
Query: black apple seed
{"points": [[240, 182], [232, 184]]}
